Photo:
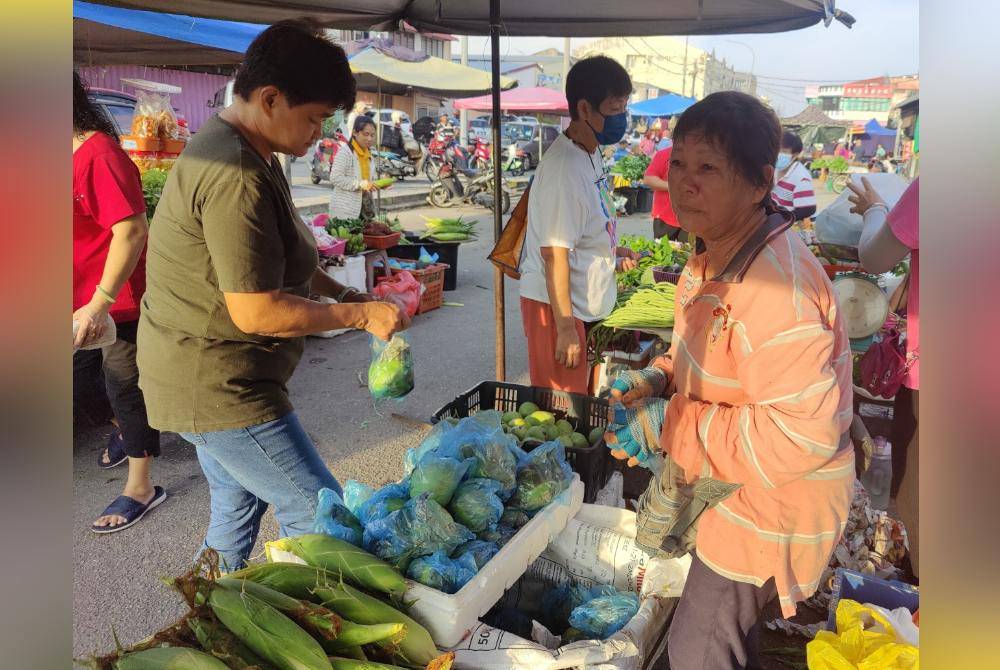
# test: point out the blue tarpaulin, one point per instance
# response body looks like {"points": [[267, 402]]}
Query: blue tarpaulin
{"points": [[665, 105], [873, 129], [118, 32]]}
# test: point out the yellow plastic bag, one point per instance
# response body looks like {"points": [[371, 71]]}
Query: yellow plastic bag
{"points": [[865, 640]]}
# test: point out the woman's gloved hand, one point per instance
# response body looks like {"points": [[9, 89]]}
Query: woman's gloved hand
{"points": [[634, 432], [631, 386]]}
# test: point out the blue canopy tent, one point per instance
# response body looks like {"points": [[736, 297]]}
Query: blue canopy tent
{"points": [[665, 105], [873, 136], [105, 35]]}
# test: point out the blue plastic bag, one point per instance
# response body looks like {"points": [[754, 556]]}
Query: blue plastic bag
{"points": [[498, 534], [476, 504], [558, 603], [542, 476], [332, 518], [440, 572], [495, 460], [356, 494], [427, 258], [431, 443], [480, 551], [438, 476], [383, 502], [390, 373], [602, 617], [420, 528]]}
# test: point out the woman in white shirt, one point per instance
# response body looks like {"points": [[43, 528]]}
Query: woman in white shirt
{"points": [[353, 174]]}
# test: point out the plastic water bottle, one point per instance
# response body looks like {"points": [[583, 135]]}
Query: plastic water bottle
{"points": [[878, 477]]}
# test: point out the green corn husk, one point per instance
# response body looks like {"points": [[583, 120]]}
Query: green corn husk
{"points": [[318, 585], [217, 640], [351, 664], [356, 634], [268, 632], [169, 658], [315, 619], [355, 565]]}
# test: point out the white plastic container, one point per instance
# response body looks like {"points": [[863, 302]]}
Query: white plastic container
{"points": [[617, 361], [449, 617], [351, 274]]}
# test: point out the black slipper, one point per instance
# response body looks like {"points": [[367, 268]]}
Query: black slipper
{"points": [[116, 452], [131, 509]]}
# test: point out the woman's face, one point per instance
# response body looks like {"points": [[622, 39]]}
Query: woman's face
{"points": [[366, 136], [706, 191]]}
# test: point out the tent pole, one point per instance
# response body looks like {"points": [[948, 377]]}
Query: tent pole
{"points": [[378, 145], [498, 283]]}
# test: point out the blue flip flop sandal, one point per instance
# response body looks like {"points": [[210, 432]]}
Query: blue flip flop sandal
{"points": [[116, 452], [131, 509]]}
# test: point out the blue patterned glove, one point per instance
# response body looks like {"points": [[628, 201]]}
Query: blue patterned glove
{"points": [[636, 431], [652, 382]]}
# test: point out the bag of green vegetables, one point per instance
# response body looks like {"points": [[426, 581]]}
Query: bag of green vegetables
{"points": [[390, 374]]}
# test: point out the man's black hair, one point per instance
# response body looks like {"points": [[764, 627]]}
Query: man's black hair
{"points": [[596, 79], [792, 142], [297, 58], [740, 126]]}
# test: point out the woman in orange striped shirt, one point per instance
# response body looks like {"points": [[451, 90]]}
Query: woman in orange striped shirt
{"points": [[755, 392]]}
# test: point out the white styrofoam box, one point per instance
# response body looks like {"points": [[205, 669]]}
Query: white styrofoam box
{"points": [[616, 361], [351, 274], [449, 617]]}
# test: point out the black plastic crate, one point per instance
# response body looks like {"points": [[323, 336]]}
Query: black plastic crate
{"points": [[447, 253], [591, 463]]}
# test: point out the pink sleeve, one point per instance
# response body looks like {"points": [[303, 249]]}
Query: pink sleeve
{"points": [[113, 189], [904, 219], [788, 430], [660, 164]]}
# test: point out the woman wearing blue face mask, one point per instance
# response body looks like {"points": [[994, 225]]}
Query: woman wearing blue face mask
{"points": [[793, 185], [571, 247]]}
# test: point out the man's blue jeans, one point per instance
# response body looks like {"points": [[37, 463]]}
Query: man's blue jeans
{"points": [[249, 468]]}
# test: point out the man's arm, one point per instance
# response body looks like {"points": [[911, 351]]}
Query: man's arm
{"points": [[278, 314], [568, 345]]}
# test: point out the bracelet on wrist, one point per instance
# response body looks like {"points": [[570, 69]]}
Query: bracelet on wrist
{"points": [[346, 292], [104, 294]]}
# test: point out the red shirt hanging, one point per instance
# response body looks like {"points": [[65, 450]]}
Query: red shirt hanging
{"points": [[106, 189]]}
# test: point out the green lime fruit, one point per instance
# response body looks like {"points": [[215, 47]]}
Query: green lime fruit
{"points": [[579, 441], [566, 440], [520, 432], [510, 416], [564, 426], [596, 434], [519, 423], [532, 421], [527, 408], [551, 431], [536, 433], [544, 417]]}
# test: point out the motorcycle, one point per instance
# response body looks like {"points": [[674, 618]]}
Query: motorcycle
{"points": [[393, 165], [322, 158], [515, 160], [482, 156], [442, 149], [457, 186]]}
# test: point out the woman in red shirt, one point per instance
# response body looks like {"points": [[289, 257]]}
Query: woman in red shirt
{"points": [[664, 219], [109, 278]]}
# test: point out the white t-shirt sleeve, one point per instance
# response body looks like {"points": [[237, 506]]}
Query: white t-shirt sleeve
{"points": [[559, 215]]}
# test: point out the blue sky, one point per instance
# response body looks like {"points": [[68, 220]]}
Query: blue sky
{"points": [[883, 41]]}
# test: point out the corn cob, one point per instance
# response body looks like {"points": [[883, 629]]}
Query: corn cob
{"points": [[351, 664], [338, 557], [315, 619], [169, 658], [268, 632], [217, 640], [318, 585]]}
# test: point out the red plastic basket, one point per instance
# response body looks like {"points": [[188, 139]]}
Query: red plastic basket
{"points": [[382, 241]]}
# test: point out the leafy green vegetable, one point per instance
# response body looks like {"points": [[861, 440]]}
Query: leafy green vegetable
{"points": [[152, 187], [631, 168], [834, 165]]}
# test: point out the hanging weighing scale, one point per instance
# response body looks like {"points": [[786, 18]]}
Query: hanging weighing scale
{"points": [[863, 306]]}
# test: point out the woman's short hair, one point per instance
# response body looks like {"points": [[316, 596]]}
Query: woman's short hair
{"points": [[792, 142], [361, 122], [740, 126], [596, 79], [297, 58]]}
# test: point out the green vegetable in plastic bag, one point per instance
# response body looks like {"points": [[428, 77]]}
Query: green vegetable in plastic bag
{"points": [[514, 518], [437, 476], [441, 572], [543, 476], [390, 374], [420, 528], [476, 504], [480, 551]]}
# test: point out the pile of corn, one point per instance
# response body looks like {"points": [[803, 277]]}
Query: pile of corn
{"points": [[338, 611], [449, 230], [644, 307]]}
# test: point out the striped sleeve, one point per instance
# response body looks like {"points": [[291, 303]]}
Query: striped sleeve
{"points": [[790, 428], [804, 195]]}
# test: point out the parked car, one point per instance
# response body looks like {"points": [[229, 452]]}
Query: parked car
{"points": [[527, 140], [528, 119], [119, 107], [385, 117], [479, 129]]}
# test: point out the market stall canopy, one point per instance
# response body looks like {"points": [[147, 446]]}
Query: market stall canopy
{"points": [[665, 105], [520, 100], [874, 129], [555, 18], [814, 127], [395, 73], [112, 36]]}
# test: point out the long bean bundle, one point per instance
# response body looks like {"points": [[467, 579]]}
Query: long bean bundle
{"points": [[645, 307]]}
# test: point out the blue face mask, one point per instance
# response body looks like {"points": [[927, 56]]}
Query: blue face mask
{"points": [[615, 126], [784, 160]]}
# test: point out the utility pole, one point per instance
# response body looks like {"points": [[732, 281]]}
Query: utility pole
{"points": [[463, 124], [685, 75]]}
